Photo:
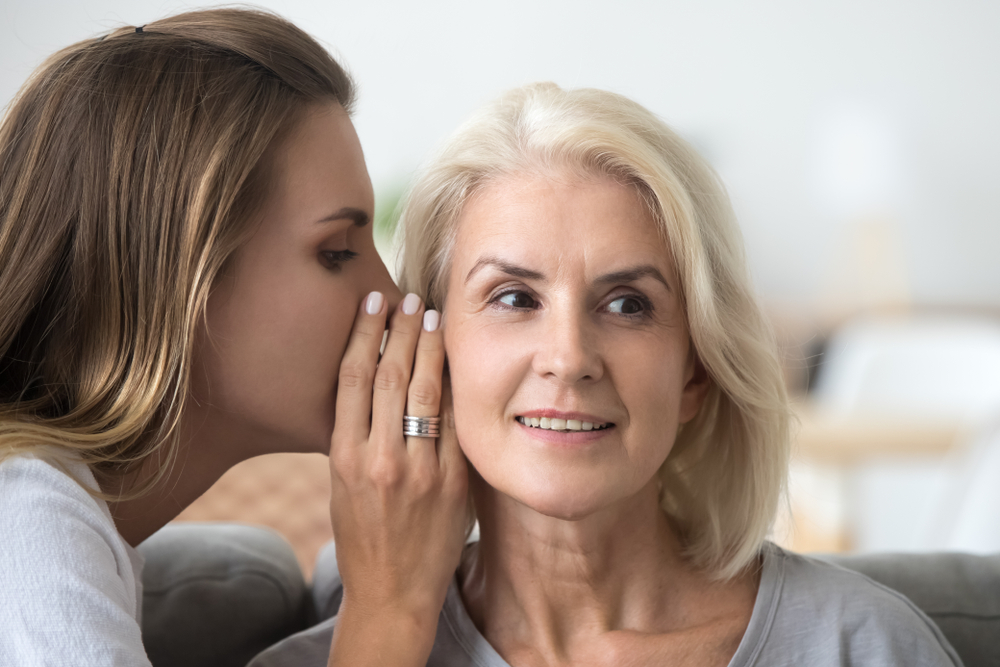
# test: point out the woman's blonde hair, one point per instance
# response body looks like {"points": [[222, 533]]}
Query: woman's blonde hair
{"points": [[725, 475], [131, 167]]}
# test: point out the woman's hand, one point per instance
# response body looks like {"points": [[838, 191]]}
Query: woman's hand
{"points": [[399, 503]]}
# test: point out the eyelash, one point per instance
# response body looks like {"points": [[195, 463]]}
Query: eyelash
{"points": [[647, 305], [334, 259]]}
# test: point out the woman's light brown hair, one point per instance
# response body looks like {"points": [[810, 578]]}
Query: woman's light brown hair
{"points": [[131, 168]]}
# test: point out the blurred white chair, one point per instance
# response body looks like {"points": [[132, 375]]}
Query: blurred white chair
{"points": [[928, 367], [922, 369]]}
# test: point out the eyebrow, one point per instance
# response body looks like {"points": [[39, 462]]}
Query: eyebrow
{"points": [[504, 266], [623, 276], [359, 217], [633, 274]]}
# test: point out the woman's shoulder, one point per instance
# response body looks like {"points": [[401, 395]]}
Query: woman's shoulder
{"points": [[55, 484], [63, 561], [49, 518], [813, 584], [457, 643], [813, 612], [45, 466]]}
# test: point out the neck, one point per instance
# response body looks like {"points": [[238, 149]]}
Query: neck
{"points": [[543, 582], [208, 446]]}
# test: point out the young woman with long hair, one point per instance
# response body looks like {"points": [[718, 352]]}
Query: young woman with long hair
{"points": [[187, 280]]}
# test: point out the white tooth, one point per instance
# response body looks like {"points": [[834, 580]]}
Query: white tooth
{"points": [[573, 424], [587, 426], [535, 422], [558, 424], [545, 422]]}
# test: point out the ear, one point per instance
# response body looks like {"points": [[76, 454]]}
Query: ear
{"points": [[695, 388]]}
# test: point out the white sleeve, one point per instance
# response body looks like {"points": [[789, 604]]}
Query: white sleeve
{"points": [[68, 591]]}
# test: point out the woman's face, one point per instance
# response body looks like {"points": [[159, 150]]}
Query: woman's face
{"points": [[564, 310], [280, 316]]}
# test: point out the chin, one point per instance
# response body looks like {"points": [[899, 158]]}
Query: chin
{"points": [[565, 502], [568, 493]]}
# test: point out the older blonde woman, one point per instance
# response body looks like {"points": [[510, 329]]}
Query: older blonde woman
{"points": [[617, 394]]}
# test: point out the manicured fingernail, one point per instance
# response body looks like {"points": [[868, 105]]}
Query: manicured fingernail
{"points": [[374, 303], [410, 304], [432, 319]]}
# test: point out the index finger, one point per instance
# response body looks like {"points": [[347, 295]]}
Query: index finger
{"points": [[357, 371]]}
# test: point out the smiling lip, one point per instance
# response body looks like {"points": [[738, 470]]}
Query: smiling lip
{"points": [[559, 423], [558, 414], [565, 438]]}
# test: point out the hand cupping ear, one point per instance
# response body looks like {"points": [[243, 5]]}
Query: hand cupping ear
{"points": [[398, 504]]}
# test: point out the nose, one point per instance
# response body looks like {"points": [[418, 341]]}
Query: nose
{"points": [[379, 280], [568, 351]]}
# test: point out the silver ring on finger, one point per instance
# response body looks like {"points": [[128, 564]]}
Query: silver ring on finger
{"points": [[421, 427]]}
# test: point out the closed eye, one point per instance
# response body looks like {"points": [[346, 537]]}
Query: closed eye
{"points": [[334, 259]]}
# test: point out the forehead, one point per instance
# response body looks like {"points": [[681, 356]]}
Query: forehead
{"points": [[558, 214], [320, 159]]}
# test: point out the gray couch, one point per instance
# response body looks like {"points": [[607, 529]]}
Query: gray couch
{"points": [[217, 594]]}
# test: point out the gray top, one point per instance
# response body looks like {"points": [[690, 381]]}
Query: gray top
{"points": [[807, 612]]}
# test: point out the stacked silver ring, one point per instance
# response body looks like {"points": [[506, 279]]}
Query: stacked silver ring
{"points": [[422, 427]]}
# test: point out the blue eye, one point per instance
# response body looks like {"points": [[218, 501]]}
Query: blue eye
{"points": [[627, 305], [519, 300]]}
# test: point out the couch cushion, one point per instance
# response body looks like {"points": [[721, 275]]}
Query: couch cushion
{"points": [[217, 594], [327, 589], [960, 592]]}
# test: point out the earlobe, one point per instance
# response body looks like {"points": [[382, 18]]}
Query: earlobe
{"points": [[695, 390]]}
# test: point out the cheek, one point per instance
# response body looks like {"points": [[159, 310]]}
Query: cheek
{"points": [[275, 350], [470, 389], [650, 382], [484, 375], [292, 328], [484, 362]]}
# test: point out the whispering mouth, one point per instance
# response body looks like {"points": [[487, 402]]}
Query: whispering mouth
{"points": [[565, 425]]}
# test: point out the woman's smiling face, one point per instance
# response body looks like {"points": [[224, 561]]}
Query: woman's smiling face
{"points": [[563, 310]]}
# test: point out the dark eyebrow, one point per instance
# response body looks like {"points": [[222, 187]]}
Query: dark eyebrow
{"points": [[633, 274], [506, 267], [359, 217]]}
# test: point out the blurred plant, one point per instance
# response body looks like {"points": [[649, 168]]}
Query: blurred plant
{"points": [[388, 206], [387, 210]]}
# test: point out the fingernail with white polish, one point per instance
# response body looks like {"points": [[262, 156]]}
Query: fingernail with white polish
{"points": [[432, 319], [410, 304], [374, 303]]}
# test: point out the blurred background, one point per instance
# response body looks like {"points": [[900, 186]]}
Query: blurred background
{"points": [[860, 143]]}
